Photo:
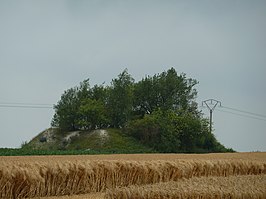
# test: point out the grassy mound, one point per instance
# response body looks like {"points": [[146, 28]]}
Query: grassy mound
{"points": [[102, 141]]}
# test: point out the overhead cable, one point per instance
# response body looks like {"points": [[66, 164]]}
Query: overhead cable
{"points": [[242, 111], [248, 116], [23, 106], [26, 104]]}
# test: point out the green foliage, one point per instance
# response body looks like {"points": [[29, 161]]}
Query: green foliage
{"points": [[167, 91], [167, 131], [120, 141], [23, 144], [120, 99], [67, 109], [92, 115], [155, 130], [146, 130], [27, 152], [160, 111]]}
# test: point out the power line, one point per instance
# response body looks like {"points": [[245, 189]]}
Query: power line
{"points": [[242, 113], [246, 112], [248, 116], [23, 106], [27, 104]]}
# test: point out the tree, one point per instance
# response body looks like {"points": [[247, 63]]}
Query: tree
{"points": [[167, 91], [92, 115], [145, 97], [100, 93], [160, 111], [189, 131], [120, 99], [146, 130], [156, 130], [66, 115], [66, 111], [167, 131]]}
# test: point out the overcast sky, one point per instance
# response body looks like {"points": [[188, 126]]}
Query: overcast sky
{"points": [[49, 46]]}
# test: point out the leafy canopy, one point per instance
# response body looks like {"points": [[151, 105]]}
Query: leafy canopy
{"points": [[160, 111]]}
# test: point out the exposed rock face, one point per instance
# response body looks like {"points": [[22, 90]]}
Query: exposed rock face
{"points": [[103, 134], [52, 138], [71, 134]]}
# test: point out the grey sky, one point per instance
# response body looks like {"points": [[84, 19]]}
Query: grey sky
{"points": [[49, 46]]}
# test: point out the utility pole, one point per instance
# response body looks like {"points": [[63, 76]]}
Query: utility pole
{"points": [[211, 104]]}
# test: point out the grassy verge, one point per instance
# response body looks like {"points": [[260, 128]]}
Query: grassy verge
{"points": [[28, 152]]}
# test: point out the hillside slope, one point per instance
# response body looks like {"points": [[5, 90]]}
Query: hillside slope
{"points": [[112, 140]]}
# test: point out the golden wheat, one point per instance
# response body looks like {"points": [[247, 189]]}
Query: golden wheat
{"points": [[98, 195], [233, 187], [67, 175], [252, 156]]}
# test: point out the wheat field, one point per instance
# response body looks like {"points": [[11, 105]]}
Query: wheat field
{"points": [[128, 176], [247, 186]]}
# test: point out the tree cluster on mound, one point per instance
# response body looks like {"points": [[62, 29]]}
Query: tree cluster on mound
{"points": [[160, 111]]}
